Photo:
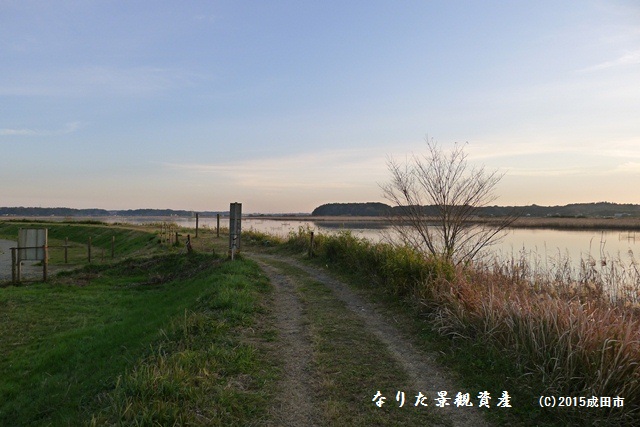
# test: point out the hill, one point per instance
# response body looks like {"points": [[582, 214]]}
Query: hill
{"points": [[352, 209], [590, 210]]}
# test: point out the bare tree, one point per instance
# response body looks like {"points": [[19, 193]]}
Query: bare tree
{"points": [[438, 197]]}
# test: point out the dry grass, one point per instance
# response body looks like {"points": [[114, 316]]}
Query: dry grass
{"points": [[573, 338], [579, 223], [612, 279], [575, 329]]}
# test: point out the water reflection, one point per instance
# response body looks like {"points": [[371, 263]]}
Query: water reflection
{"points": [[543, 243], [557, 256], [575, 244]]}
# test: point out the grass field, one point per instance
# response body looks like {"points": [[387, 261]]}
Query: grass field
{"points": [[148, 340], [126, 241], [161, 337]]}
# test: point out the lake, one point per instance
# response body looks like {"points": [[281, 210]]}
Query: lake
{"points": [[539, 243], [548, 254]]}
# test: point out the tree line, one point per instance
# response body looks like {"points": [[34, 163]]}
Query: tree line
{"points": [[574, 210], [71, 212]]}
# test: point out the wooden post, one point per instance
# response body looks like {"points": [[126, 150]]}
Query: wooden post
{"points": [[176, 238], [217, 225], [311, 245], [89, 250], [113, 247], [45, 263], [14, 266], [189, 247], [18, 269], [196, 225], [235, 226], [66, 252]]}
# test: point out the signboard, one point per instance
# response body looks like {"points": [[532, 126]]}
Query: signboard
{"points": [[31, 242]]}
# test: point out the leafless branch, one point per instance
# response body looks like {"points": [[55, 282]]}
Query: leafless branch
{"points": [[443, 183]]}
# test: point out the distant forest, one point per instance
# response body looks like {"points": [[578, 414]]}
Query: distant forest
{"points": [[576, 210], [371, 209], [69, 212]]}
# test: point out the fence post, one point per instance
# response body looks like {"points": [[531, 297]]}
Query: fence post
{"points": [[196, 225], [14, 260], [66, 247], [235, 227], [311, 245], [45, 262], [217, 225], [18, 268], [89, 250], [113, 247]]}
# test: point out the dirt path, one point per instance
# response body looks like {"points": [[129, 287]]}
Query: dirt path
{"points": [[425, 375], [294, 407]]}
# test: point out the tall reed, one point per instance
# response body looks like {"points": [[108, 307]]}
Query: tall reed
{"points": [[610, 278], [577, 330], [578, 346]]}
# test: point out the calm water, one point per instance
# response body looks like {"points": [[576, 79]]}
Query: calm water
{"points": [[551, 253], [540, 243]]}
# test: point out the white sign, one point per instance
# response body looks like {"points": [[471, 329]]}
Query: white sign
{"points": [[31, 242]]}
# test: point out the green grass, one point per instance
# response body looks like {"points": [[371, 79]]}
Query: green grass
{"points": [[350, 364], [128, 241], [173, 339], [496, 333], [162, 335]]}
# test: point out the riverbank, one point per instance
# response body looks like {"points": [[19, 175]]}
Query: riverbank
{"points": [[560, 223], [626, 223], [563, 337], [170, 338]]}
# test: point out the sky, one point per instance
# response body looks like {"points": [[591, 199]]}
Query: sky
{"points": [[287, 105]]}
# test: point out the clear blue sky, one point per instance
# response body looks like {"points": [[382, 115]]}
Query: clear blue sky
{"points": [[285, 105]]}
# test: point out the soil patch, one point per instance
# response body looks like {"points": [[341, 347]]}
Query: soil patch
{"points": [[294, 405]]}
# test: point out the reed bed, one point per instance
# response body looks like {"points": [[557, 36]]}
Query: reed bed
{"points": [[577, 330], [577, 345], [611, 278]]}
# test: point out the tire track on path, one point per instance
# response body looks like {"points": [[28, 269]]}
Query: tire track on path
{"points": [[294, 406], [425, 374]]}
